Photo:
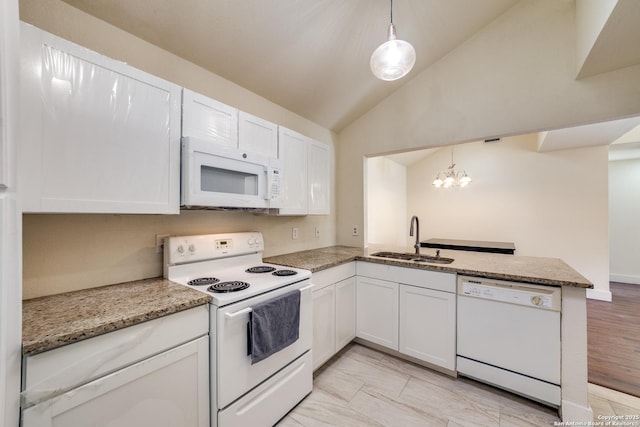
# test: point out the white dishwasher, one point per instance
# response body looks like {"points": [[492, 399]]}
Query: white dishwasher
{"points": [[509, 336]]}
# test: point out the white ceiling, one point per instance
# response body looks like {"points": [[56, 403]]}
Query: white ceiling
{"points": [[309, 56]]}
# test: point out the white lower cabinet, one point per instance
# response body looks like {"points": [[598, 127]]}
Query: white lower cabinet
{"points": [[345, 312], [427, 331], [408, 310], [334, 311], [121, 379], [324, 325], [377, 311]]}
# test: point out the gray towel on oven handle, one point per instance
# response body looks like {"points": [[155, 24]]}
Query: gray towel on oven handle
{"points": [[274, 324]]}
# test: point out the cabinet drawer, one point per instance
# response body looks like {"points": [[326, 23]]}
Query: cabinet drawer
{"points": [[333, 275], [410, 276], [66, 367]]}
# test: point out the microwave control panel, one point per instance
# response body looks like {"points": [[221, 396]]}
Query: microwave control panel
{"points": [[275, 183]]}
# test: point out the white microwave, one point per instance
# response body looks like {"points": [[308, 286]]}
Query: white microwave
{"points": [[214, 176]]}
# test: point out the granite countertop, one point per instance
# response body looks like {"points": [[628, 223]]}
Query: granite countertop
{"points": [[536, 270], [53, 321]]}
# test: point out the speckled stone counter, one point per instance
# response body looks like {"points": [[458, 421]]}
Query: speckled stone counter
{"points": [[53, 321], [536, 270]]}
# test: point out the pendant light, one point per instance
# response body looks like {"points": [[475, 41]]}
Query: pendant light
{"points": [[450, 178], [394, 58]]}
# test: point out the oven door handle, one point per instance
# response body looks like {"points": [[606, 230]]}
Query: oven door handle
{"points": [[231, 316]]}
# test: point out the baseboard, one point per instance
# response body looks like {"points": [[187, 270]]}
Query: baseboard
{"points": [[571, 413], [599, 295], [625, 278]]}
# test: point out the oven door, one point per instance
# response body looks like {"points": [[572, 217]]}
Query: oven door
{"points": [[235, 373], [216, 176]]}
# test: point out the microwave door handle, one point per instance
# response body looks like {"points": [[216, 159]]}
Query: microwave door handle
{"points": [[265, 196]]}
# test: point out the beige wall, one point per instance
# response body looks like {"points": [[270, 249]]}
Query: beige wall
{"points": [[624, 232], [515, 77], [70, 252], [551, 204], [386, 220]]}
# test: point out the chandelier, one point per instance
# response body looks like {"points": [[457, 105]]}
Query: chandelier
{"points": [[394, 58], [451, 178]]}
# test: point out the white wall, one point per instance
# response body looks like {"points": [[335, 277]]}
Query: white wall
{"points": [[70, 252], [551, 204], [386, 202], [624, 228]]}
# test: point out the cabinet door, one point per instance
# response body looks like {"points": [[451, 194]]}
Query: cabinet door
{"points": [[208, 119], [377, 311], [97, 135], [293, 153], [319, 171], [324, 344], [345, 312], [428, 325], [257, 135], [171, 388]]}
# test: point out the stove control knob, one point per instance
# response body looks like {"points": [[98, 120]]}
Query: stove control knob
{"points": [[180, 249], [258, 242], [536, 300], [192, 248], [250, 242]]}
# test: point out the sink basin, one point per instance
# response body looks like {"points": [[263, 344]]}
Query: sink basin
{"points": [[414, 257]]}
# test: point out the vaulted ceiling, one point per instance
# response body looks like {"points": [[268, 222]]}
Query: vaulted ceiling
{"points": [[309, 56]]}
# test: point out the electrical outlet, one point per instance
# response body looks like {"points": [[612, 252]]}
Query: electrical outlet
{"points": [[294, 233], [317, 232], [355, 230], [160, 242]]}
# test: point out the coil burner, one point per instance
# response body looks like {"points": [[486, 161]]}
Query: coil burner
{"points": [[260, 269], [228, 286], [282, 273], [202, 281]]}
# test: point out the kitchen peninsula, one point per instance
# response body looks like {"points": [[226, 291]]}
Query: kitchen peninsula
{"points": [[546, 272]]}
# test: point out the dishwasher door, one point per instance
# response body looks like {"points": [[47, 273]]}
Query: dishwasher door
{"points": [[509, 334]]}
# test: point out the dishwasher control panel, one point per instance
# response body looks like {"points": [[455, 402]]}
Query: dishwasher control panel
{"points": [[510, 292]]}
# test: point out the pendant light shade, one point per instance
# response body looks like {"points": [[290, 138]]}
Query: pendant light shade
{"points": [[394, 58]]}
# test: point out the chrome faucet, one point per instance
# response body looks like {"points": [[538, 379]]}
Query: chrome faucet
{"points": [[417, 245]]}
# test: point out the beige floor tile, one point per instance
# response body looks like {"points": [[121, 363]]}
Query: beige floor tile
{"points": [[392, 413], [615, 396], [338, 383], [449, 403], [363, 387], [320, 409]]}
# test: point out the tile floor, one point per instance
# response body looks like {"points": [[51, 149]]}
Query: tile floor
{"points": [[363, 387]]}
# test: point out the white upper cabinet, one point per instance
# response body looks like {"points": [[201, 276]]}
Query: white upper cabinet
{"points": [[319, 176], [97, 135], [307, 174], [293, 153], [257, 135], [210, 120]]}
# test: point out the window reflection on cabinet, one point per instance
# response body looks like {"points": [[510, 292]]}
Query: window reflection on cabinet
{"points": [[97, 135], [307, 169]]}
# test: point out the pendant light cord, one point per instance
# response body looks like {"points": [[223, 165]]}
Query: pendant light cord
{"points": [[391, 12]]}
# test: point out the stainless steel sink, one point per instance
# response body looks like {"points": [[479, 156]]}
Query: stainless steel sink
{"points": [[414, 257]]}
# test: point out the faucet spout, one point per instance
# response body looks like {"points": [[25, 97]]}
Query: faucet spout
{"points": [[417, 244]]}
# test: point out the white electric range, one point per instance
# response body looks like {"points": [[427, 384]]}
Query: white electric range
{"points": [[229, 267]]}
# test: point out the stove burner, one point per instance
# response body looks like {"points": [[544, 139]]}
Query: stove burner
{"points": [[201, 281], [260, 269], [284, 273], [228, 286]]}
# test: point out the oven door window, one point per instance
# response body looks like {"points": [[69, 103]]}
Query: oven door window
{"points": [[219, 180]]}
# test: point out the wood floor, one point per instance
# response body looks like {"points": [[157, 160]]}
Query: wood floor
{"points": [[613, 334]]}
